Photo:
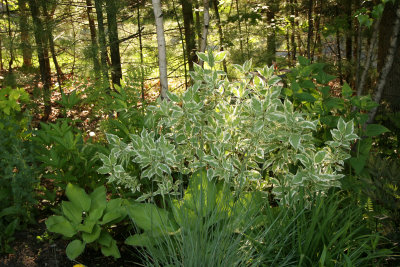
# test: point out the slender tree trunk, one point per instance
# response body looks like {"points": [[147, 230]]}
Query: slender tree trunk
{"points": [[310, 27], [94, 51], [198, 23], [358, 48], [44, 63], [102, 41], [24, 28], [239, 28], [271, 40], [182, 42], [206, 25], [220, 32], [317, 39], [11, 61], [388, 64], [339, 51], [49, 35], [188, 21], [116, 69], [162, 51], [1, 55], [349, 32], [293, 25], [370, 53], [141, 57]]}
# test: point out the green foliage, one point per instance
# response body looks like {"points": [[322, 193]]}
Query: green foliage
{"points": [[241, 132], [86, 219], [17, 168], [209, 219], [66, 157], [328, 231]]}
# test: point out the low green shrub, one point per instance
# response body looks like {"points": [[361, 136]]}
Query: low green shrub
{"points": [[86, 219]]}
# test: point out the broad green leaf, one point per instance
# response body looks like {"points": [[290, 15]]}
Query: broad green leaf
{"points": [[112, 250], [93, 235], [202, 56], [220, 56], [139, 240], [74, 249], [87, 226], [347, 92], [150, 218], [358, 163], [105, 239], [72, 212], [78, 196], [60, 225], [173, 97], [98, 197], [111, 216], [375, 130]]}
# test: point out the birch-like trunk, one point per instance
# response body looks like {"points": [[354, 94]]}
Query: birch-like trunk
{"points": [[388, 65], [205, 26], [162, 51]]}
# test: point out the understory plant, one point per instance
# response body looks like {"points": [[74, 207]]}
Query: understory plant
{"points": [[206, 227], [242, 132], [18, 175], [86, 219]]}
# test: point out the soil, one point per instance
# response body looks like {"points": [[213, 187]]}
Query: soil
{"points": [[32, 251]]}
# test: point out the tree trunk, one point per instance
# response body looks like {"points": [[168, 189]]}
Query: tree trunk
{"points": [[49, 34], [198, 23], [240, 29], [141, 56], [220, 32], [43, 58], [102, 41], [349, 32], [1, 55], [116, 69], [11, 61], [188, 23], [94, 51], [293, 36], [339, 51], [162, 51], [389, 58], [310, 27], [271, 40], [24, 28], [206, 25]]}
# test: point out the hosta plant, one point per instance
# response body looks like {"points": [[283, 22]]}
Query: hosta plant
{"points": [[86, 219], [242, 132]]}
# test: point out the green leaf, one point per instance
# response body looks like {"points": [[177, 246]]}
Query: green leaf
{"points": [[173, 97], [98, 199], [358, 163], [375, 130], [105, 239], [60, 225], [347, 92], [104, 170], [87, 226], [74, 249], [202, 56], [139, 240], [72, 212], [78, 196], [112, 250], [92, 236], [220, 56], [320, 156], [111, 216], [294, 140], [149, 217]]}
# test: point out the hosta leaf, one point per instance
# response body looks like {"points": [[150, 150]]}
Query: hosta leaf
{"points": [[112, 250], [74, 249], [78, 196], [105, 239], [93, 235], [111, 216], [72, 212], [60, 225]]}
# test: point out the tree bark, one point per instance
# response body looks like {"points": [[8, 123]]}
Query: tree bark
{"points": [[393, 49], [188, 24], [162, 51], [206, 25], [11, 61], [198, 23], [116, 69], [310, 27], [141, 56], [102, 41], [271, 40], [220, 32], [239, 28], [94, 51], [24, 28], [293, 36], [44, 63], [349, 32]]}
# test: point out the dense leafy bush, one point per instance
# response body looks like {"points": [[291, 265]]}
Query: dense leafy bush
{"points": [[240, 131]]}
